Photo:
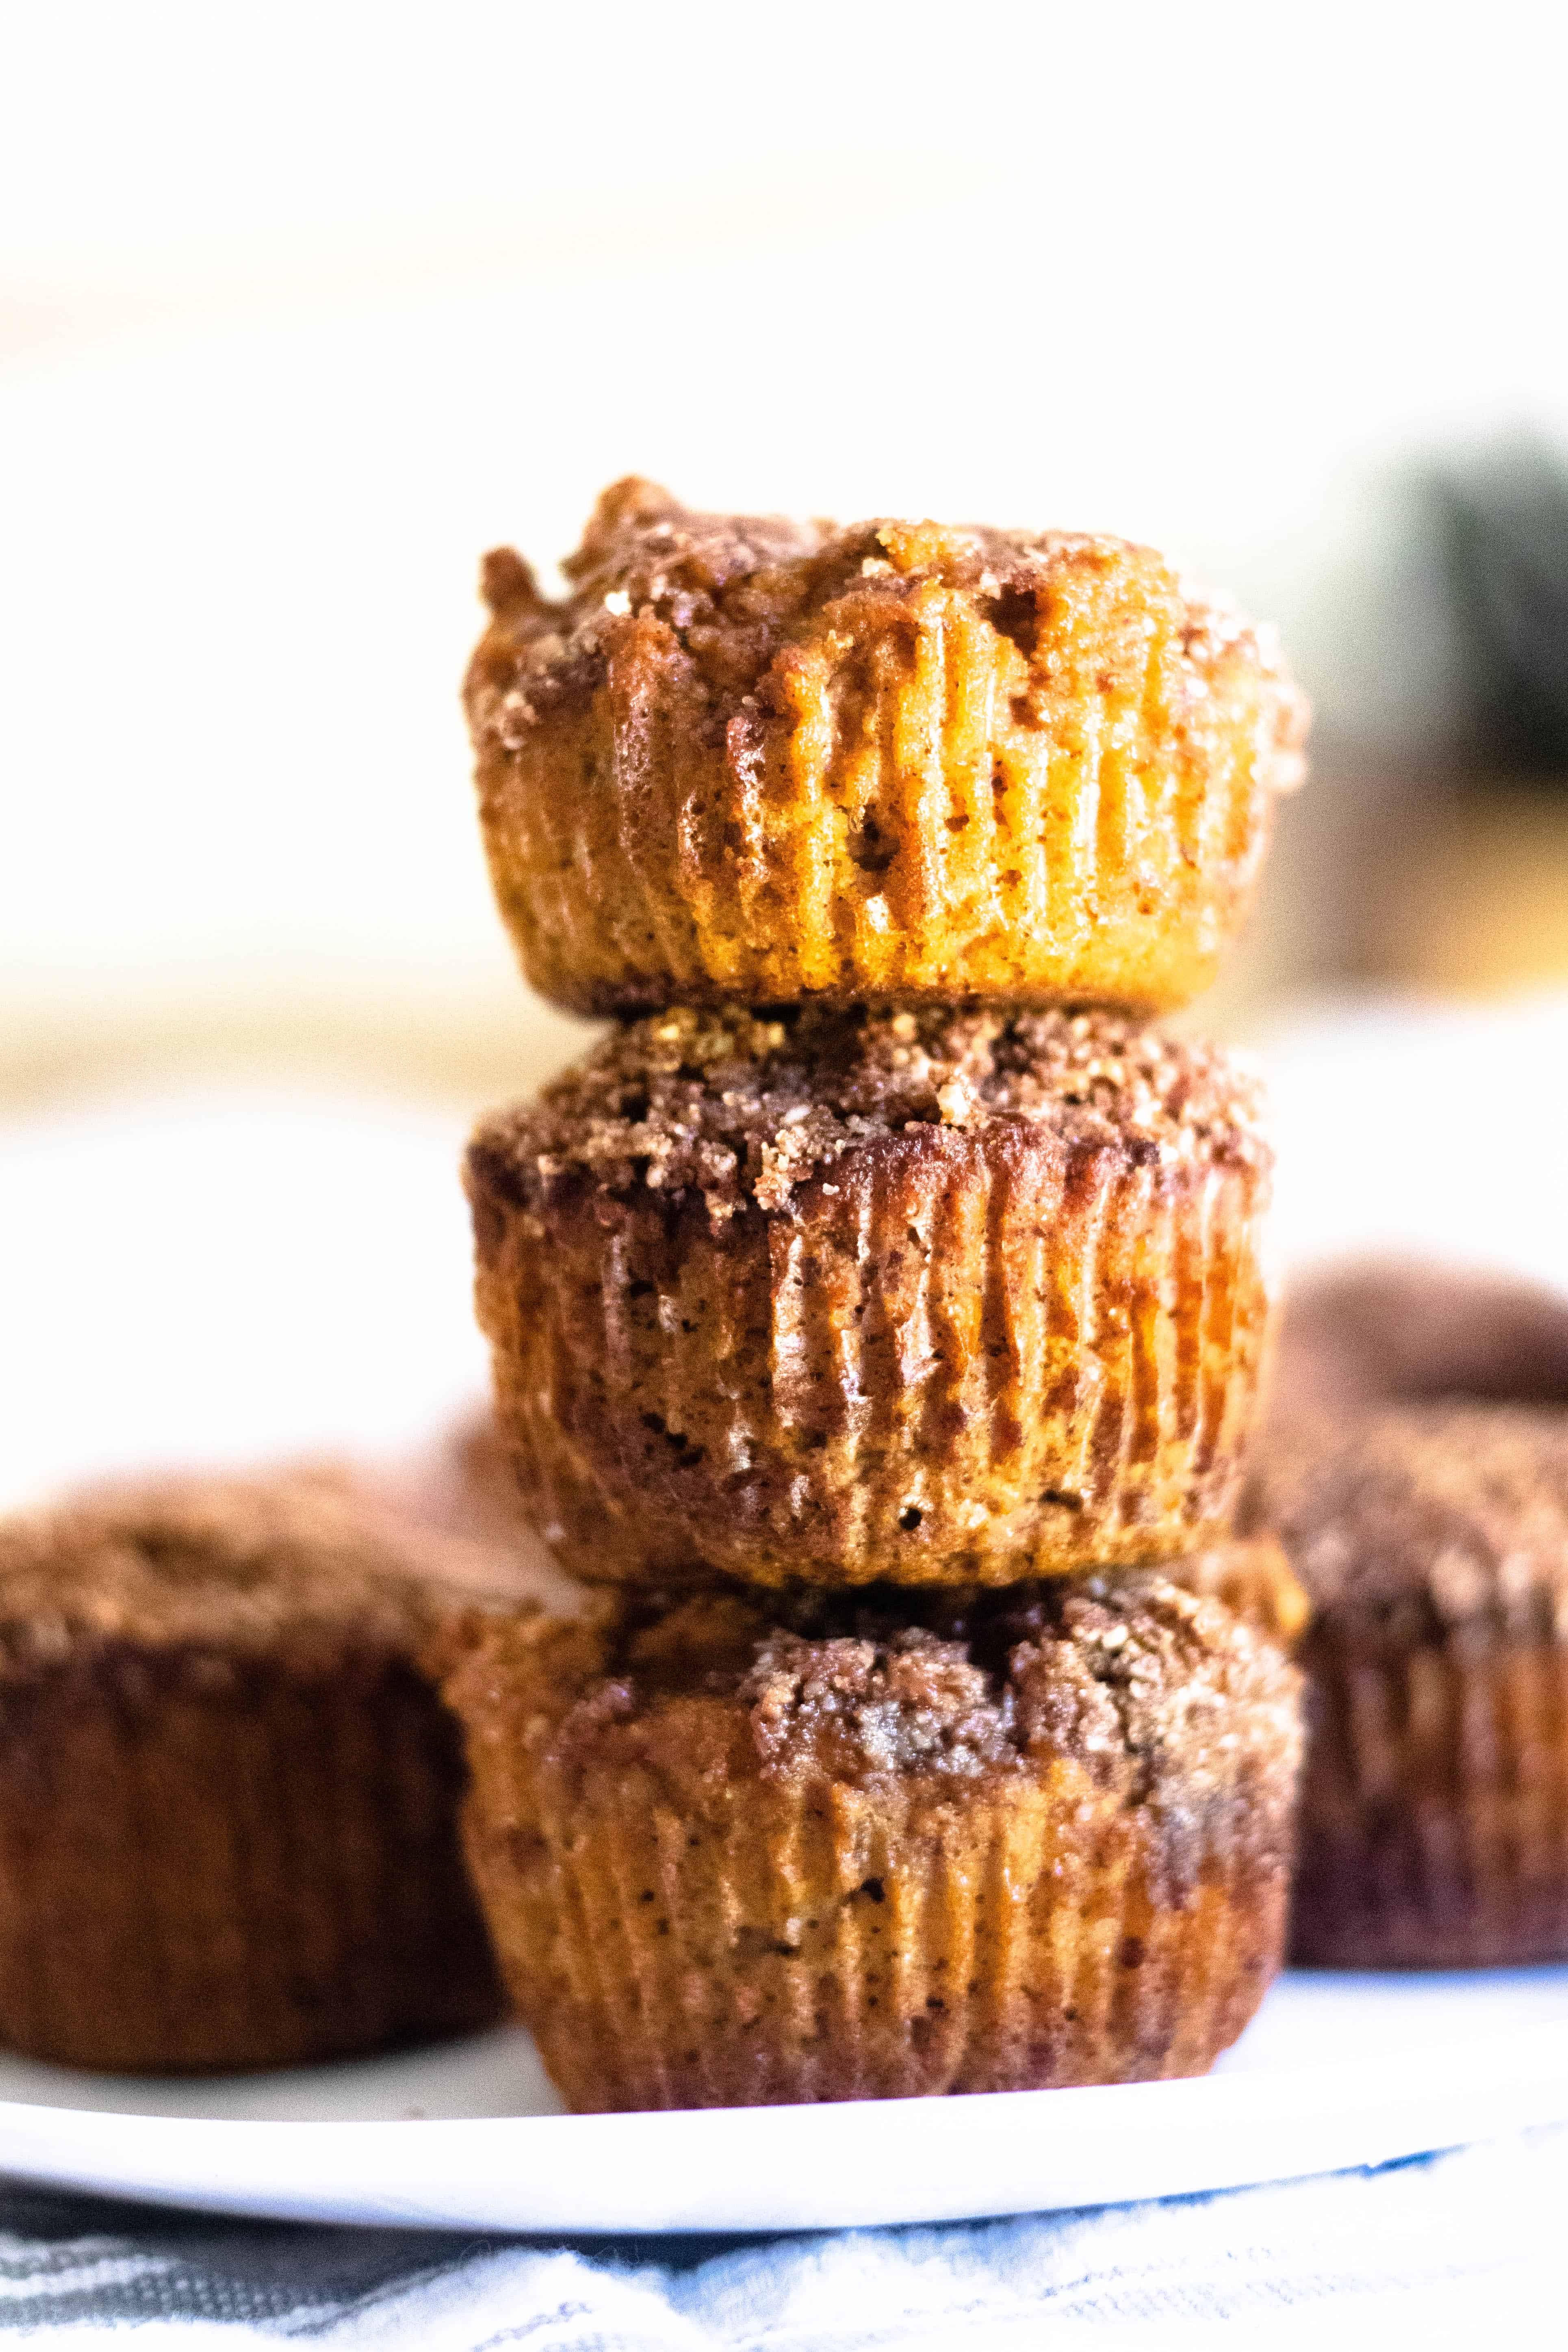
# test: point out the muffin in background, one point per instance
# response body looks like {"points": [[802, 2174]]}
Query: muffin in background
{"points": [[1416, 1468], [229, 1798], [1385, 1331], [766, 1848], [463, 1482]]}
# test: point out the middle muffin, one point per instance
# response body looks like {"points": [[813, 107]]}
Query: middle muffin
{"points": [[934, 1296]]}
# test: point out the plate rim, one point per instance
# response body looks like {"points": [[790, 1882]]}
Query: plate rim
{"points": [[1003, 2151]]}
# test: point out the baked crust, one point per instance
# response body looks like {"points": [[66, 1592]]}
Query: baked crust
{"points": [[1431, 1536], [750, 761], [227, 1796], [845, 1846], [939, 1298]]}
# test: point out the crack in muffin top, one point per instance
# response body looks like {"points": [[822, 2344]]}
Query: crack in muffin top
{"points": [[736, 1107], [734, 590]]}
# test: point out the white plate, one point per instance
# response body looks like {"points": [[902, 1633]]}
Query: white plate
{"points": [[1335, 2071]]}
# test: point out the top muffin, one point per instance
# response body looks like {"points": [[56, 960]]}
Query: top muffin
{"points": [[745, 759]]}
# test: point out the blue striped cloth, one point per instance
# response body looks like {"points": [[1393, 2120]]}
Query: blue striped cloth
{"points": [[1445, 2249]]}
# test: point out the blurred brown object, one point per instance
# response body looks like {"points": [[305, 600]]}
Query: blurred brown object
{"points": [[1377, 1330], [1395, 874], [1466, 891], [460, 1484]]}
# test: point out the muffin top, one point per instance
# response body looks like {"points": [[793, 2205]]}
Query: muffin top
{"points": [[1425, 1517], [1387, 1329], [736, 1108], [1162, 1698], [293, 1568], [733, 592]]}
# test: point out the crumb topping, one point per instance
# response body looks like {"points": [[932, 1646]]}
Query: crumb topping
{"points": [[734, 590], [1148, 1687], [1428, 1517], [735, 1107], [239, 1568]]}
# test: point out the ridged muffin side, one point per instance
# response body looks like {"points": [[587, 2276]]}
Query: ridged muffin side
{"points": [[748, 1852], [937, 1298], [750, 760]]}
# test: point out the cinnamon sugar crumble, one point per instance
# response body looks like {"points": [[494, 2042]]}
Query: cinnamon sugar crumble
{"points": [[736, 1108], [242, 1568], [1139, 1683], [1425, 1517], [735, 589]]}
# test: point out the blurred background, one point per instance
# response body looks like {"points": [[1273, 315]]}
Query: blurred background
{"points": [[302, 308]]}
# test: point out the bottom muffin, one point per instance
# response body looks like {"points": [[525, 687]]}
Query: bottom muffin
{"points": [[228, 1800], [789, 1848]]}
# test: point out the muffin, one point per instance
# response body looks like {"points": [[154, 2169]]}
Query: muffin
{"points": [[781, 1848], [1378, 1330], [228, 1799], [746, 760], [931, 1297], [1431, 1536]]}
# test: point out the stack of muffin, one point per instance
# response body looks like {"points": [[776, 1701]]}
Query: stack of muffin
{"points": [[879, 1311]]}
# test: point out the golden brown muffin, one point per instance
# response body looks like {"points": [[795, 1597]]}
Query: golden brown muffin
{"points": [[806, 1847], [937, 1298], [1432, 1540], [227, 1798], [756, 761]]}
